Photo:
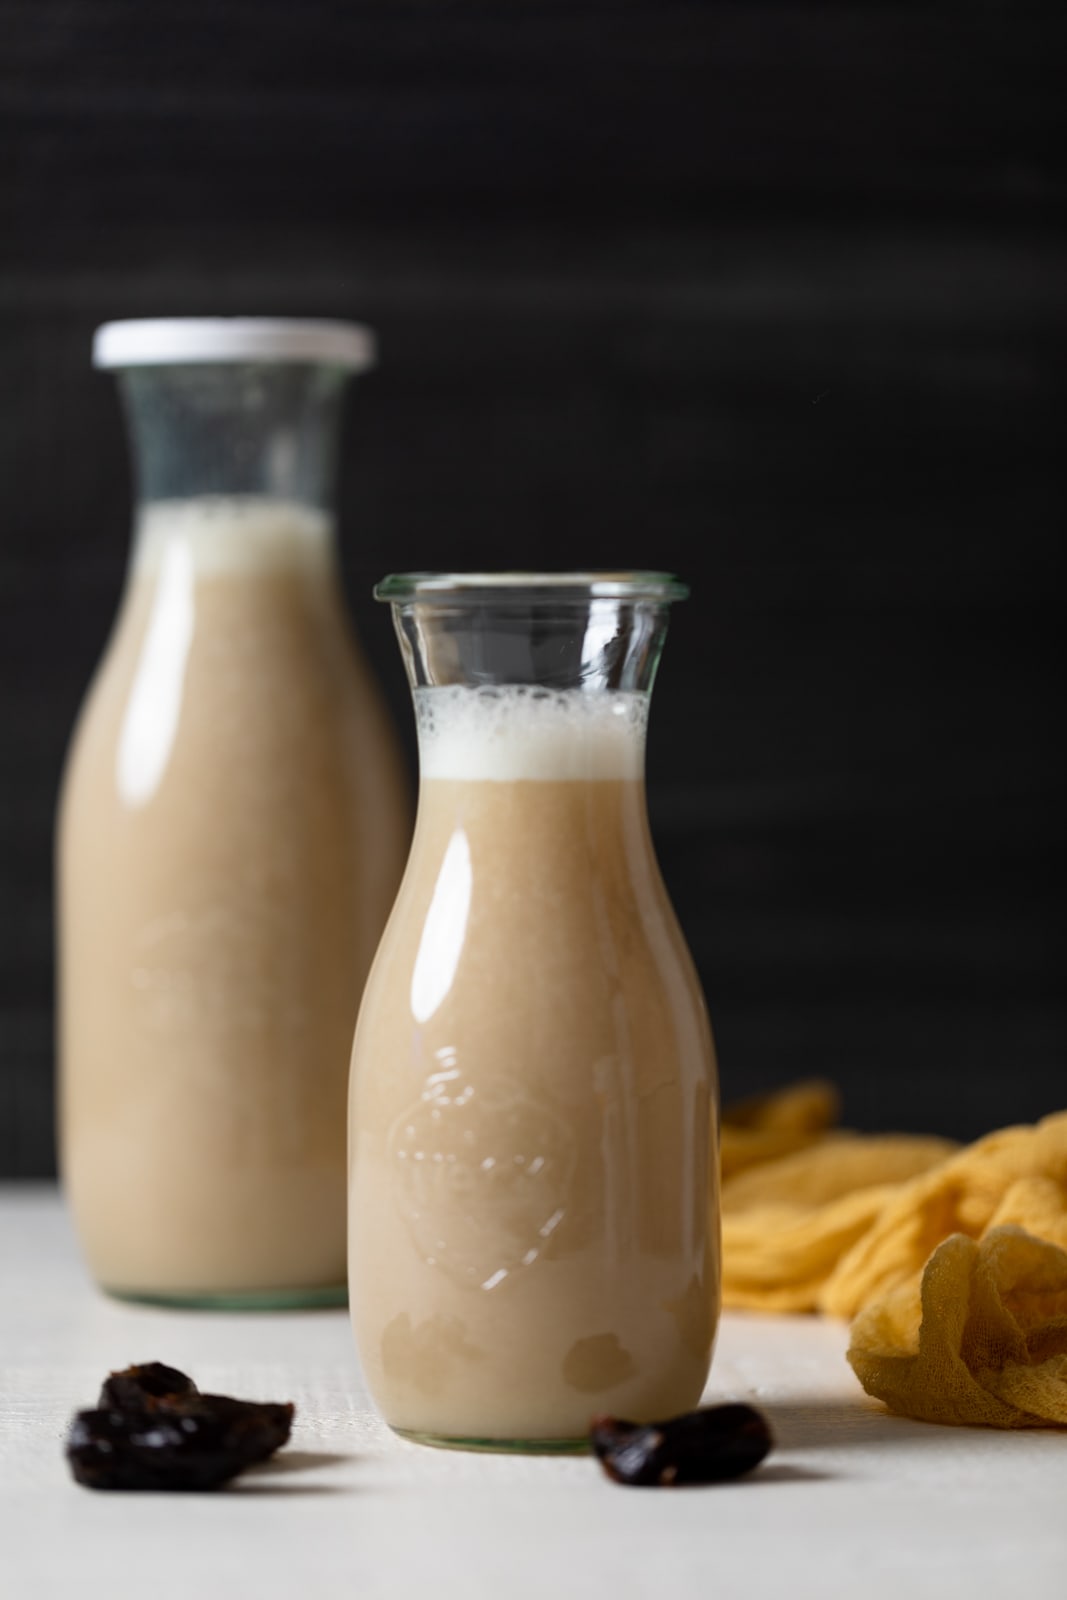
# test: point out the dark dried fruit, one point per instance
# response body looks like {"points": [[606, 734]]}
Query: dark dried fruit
{"points": [[709, 1446], [133, 1388], [154, 1430]]}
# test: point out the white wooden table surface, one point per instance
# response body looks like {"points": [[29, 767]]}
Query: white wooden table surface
{"points": [[853, 1502]]}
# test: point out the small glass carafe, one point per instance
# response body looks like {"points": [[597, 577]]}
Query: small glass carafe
{"points": [[232, 828], [533, 1187]]}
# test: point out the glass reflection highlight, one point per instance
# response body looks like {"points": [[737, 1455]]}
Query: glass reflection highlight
{"points": [[444, 931], [150, 724]]}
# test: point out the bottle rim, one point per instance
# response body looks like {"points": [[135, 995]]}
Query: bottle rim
{"points": [[528, 588], [176, 341]]}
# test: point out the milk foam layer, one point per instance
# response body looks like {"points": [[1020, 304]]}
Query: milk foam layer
{"points": [[232, 533], [517, 732]]}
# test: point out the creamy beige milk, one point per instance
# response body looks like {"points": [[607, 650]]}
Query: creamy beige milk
{"points": [[232, 831], [533, 1189]]}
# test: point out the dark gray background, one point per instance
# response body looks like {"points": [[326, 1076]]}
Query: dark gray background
{"points": [[768, 294]]}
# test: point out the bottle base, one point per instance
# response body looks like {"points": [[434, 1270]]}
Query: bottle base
{"points": [[238, 1300], [524, 1447]]}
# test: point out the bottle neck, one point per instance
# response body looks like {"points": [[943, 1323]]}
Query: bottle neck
{"points": [[519, 680], [234, 429], [501, 637], [234, 463]]}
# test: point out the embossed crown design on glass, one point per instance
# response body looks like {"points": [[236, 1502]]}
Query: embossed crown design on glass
{"points": [[533, 1227]]}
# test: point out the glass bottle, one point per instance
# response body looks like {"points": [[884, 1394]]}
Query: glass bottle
{"points": [[232, 828], [534, 1224]]}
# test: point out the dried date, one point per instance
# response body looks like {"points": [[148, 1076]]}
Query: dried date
{"points": [[136, 1387], [153, 1429], [710, 1446]]}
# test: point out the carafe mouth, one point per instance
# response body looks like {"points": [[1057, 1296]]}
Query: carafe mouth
{"points": [[528, 588], [560, 632]]}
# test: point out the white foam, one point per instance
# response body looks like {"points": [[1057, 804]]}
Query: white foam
{"points": [[232, 533], [503, 735]]}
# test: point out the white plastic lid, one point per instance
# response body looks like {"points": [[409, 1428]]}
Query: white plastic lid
{"points": [[167, 341]]}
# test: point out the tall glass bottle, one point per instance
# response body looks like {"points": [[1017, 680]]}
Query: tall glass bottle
{"points": [[534, 1229], [231, 832]]}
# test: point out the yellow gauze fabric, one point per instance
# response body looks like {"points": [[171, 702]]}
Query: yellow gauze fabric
{"points": [[983, 1342], [755, 1131], [952, 1262]]}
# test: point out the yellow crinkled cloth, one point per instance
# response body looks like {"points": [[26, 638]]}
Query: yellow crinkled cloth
{"points": [[952, 1263]]}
